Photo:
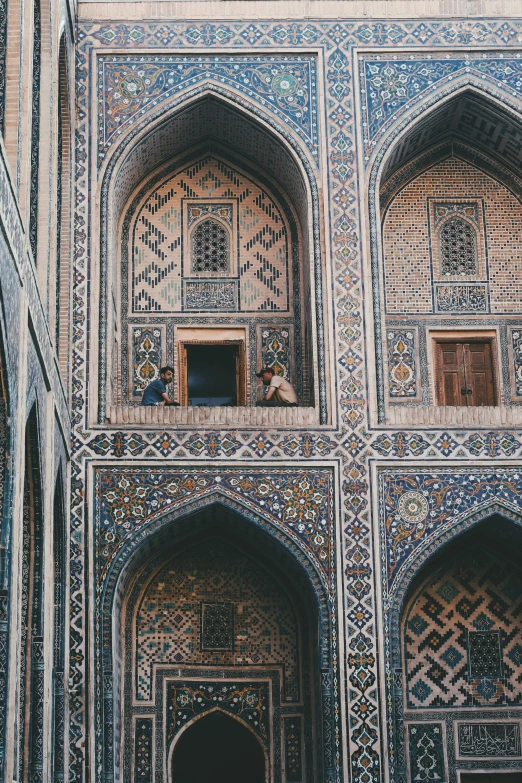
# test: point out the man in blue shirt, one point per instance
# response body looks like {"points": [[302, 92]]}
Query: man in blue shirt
{"points": [[156, 392]]}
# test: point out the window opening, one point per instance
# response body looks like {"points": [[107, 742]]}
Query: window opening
{"points": [[464, 373], [210, 247], [458, 248], [212, 374]]}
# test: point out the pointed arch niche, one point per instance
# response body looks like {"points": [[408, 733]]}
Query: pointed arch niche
{"points": [[457, 657], [212, 612], [209, 235], [446, 204]]}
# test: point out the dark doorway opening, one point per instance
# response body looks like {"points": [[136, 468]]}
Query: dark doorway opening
{"points": [[212, 373], [218, 749], [491, 777]]}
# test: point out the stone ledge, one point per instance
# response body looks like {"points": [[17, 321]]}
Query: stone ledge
{"points": [[453, 417], [233, 418], [116, 10]]}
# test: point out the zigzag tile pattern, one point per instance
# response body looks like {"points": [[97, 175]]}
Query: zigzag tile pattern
{"points": [[160, 260]]}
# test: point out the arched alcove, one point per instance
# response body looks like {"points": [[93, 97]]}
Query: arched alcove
{"points": [[447, 210], [272, 293], [262, 662], [30, 757], [232, 752], [458, 661], [60, 625], [6, 534]]}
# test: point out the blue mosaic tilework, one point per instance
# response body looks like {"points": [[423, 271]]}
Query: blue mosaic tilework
{"points": [[147, 353], [417, 507], [426, 751], [299, 500], [118, 538], [397, 83], [128, 86], [354, 443], [248, 701], [275, 349], [402, 370], [516, 349], [143, 750]]}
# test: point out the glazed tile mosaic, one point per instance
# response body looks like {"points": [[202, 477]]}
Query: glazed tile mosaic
{"points": [[161, 258], [392, 85], [257, 625], [461, 634]]}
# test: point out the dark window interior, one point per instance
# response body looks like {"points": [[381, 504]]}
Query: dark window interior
{"points": [[491, 777], [212, 374]]}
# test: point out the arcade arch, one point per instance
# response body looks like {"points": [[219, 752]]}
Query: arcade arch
{"points": [[446, 196], [270, 292], [214, 612], [457, 651]]}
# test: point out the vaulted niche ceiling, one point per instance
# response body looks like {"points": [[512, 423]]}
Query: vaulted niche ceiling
{"points": [[465, 125], [214, 125]]}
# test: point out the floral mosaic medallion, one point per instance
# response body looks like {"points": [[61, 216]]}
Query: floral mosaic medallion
{"points": [[413, 507]]}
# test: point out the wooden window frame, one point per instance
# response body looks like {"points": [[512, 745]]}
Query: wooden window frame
{"points": [[240, 375], [465, 337]]}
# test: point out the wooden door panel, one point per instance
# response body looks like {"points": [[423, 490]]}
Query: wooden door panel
{"points": [[464, 373], [452, 389], [450, 374], [478, 368]]}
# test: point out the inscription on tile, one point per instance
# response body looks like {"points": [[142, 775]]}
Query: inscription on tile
{"points": [[461, 299], [210, 295], [489, 739]]}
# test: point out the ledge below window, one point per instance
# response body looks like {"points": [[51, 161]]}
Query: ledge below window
{"points": [[152, 416], [404, 416]]}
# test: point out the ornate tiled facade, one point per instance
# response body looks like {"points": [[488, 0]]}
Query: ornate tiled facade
{"points": [[332, 126]]}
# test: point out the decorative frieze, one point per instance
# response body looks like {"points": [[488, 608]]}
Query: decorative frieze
{"points": [[209, 295]]}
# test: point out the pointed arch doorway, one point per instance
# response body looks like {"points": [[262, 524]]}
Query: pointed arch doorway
{"points": [[217, 749]]}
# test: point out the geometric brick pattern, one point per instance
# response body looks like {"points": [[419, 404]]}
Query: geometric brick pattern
{"points": [[412, 262], [463, 635], [169, 626], [161, 259]]}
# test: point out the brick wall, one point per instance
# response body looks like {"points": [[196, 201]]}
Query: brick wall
{"points": [[406, 238]]}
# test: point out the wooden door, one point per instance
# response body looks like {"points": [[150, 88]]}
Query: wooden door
{"points": [[464, 373]]}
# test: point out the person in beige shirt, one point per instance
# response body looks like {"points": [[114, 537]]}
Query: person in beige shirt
{"points": [[280, 392]]}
